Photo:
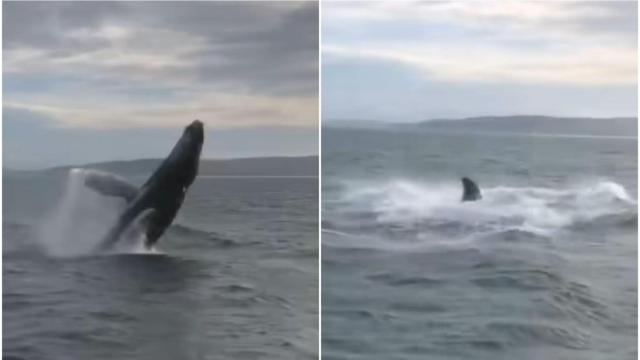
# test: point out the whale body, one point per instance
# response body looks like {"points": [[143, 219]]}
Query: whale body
{"points": [[151, 208]]}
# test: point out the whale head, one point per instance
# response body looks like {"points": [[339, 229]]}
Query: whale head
{"points": [[181, 166], [194, 132], [187, 156]]}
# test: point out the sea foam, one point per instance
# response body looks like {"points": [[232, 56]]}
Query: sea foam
{"points": [[530, 208], [79, 220]]}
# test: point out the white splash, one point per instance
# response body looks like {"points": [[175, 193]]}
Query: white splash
{"points": [[535, 209], [79, 220]]}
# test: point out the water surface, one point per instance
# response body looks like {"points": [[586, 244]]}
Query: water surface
{"points": [[235, 277], [543, 267]]}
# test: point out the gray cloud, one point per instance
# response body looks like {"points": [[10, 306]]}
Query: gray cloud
{"points": [[255, 46], [609, 17], [576, 43], [414, 60], [141, 64]]}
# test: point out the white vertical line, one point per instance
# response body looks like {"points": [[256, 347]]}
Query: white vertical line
{"points": [[2, 167], [319, 179]]}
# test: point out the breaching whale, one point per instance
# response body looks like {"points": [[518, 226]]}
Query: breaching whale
{"points": [[151, 208], [471, 191]]}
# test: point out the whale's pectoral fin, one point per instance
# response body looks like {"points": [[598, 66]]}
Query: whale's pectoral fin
{"points": [[110, 185], [471, 191]]}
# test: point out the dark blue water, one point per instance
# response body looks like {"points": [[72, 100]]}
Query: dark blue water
{"points": [[543, 267], [235, 277]]}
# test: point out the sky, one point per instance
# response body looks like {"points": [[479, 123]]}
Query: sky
{"points": [[97, 81], [411, 61]]}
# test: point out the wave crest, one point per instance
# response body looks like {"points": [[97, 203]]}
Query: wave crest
{"points": [[534, 209]]}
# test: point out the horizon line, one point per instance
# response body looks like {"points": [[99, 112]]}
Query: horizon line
{"points": [[635, 116], [56, 167]]}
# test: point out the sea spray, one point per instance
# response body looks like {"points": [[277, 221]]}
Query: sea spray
{"points": [[402, 203], [79, 220]]}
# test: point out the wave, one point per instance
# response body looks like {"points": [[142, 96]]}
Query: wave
{"points": [[404, 204], [183, 230], [15, 225]]}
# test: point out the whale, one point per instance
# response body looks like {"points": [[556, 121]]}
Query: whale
{"points": [[470, 190], [151, 208]]}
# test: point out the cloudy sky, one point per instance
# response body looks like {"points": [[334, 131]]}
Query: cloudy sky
{"points": [[93, 81], [412, 61]]}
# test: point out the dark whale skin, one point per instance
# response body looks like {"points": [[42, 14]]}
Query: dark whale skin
{"points": [[164, 191], [471, 191]]}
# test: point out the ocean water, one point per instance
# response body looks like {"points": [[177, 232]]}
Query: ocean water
{"points": [[235, 276], [543, 267]]}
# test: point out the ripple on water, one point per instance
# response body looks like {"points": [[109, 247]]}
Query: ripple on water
{"points": [[532, 334], [402, 280]]}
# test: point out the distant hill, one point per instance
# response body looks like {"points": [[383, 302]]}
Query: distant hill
{"points": [[267, 166], [521, 124], [539, 125], [356, 124]]}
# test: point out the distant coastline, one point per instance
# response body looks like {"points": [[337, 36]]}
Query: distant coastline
{"points": [[274, 166], [534, 125]]}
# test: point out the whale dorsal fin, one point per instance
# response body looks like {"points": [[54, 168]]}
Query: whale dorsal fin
{"points": [[471, 191], [110, 185]]}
